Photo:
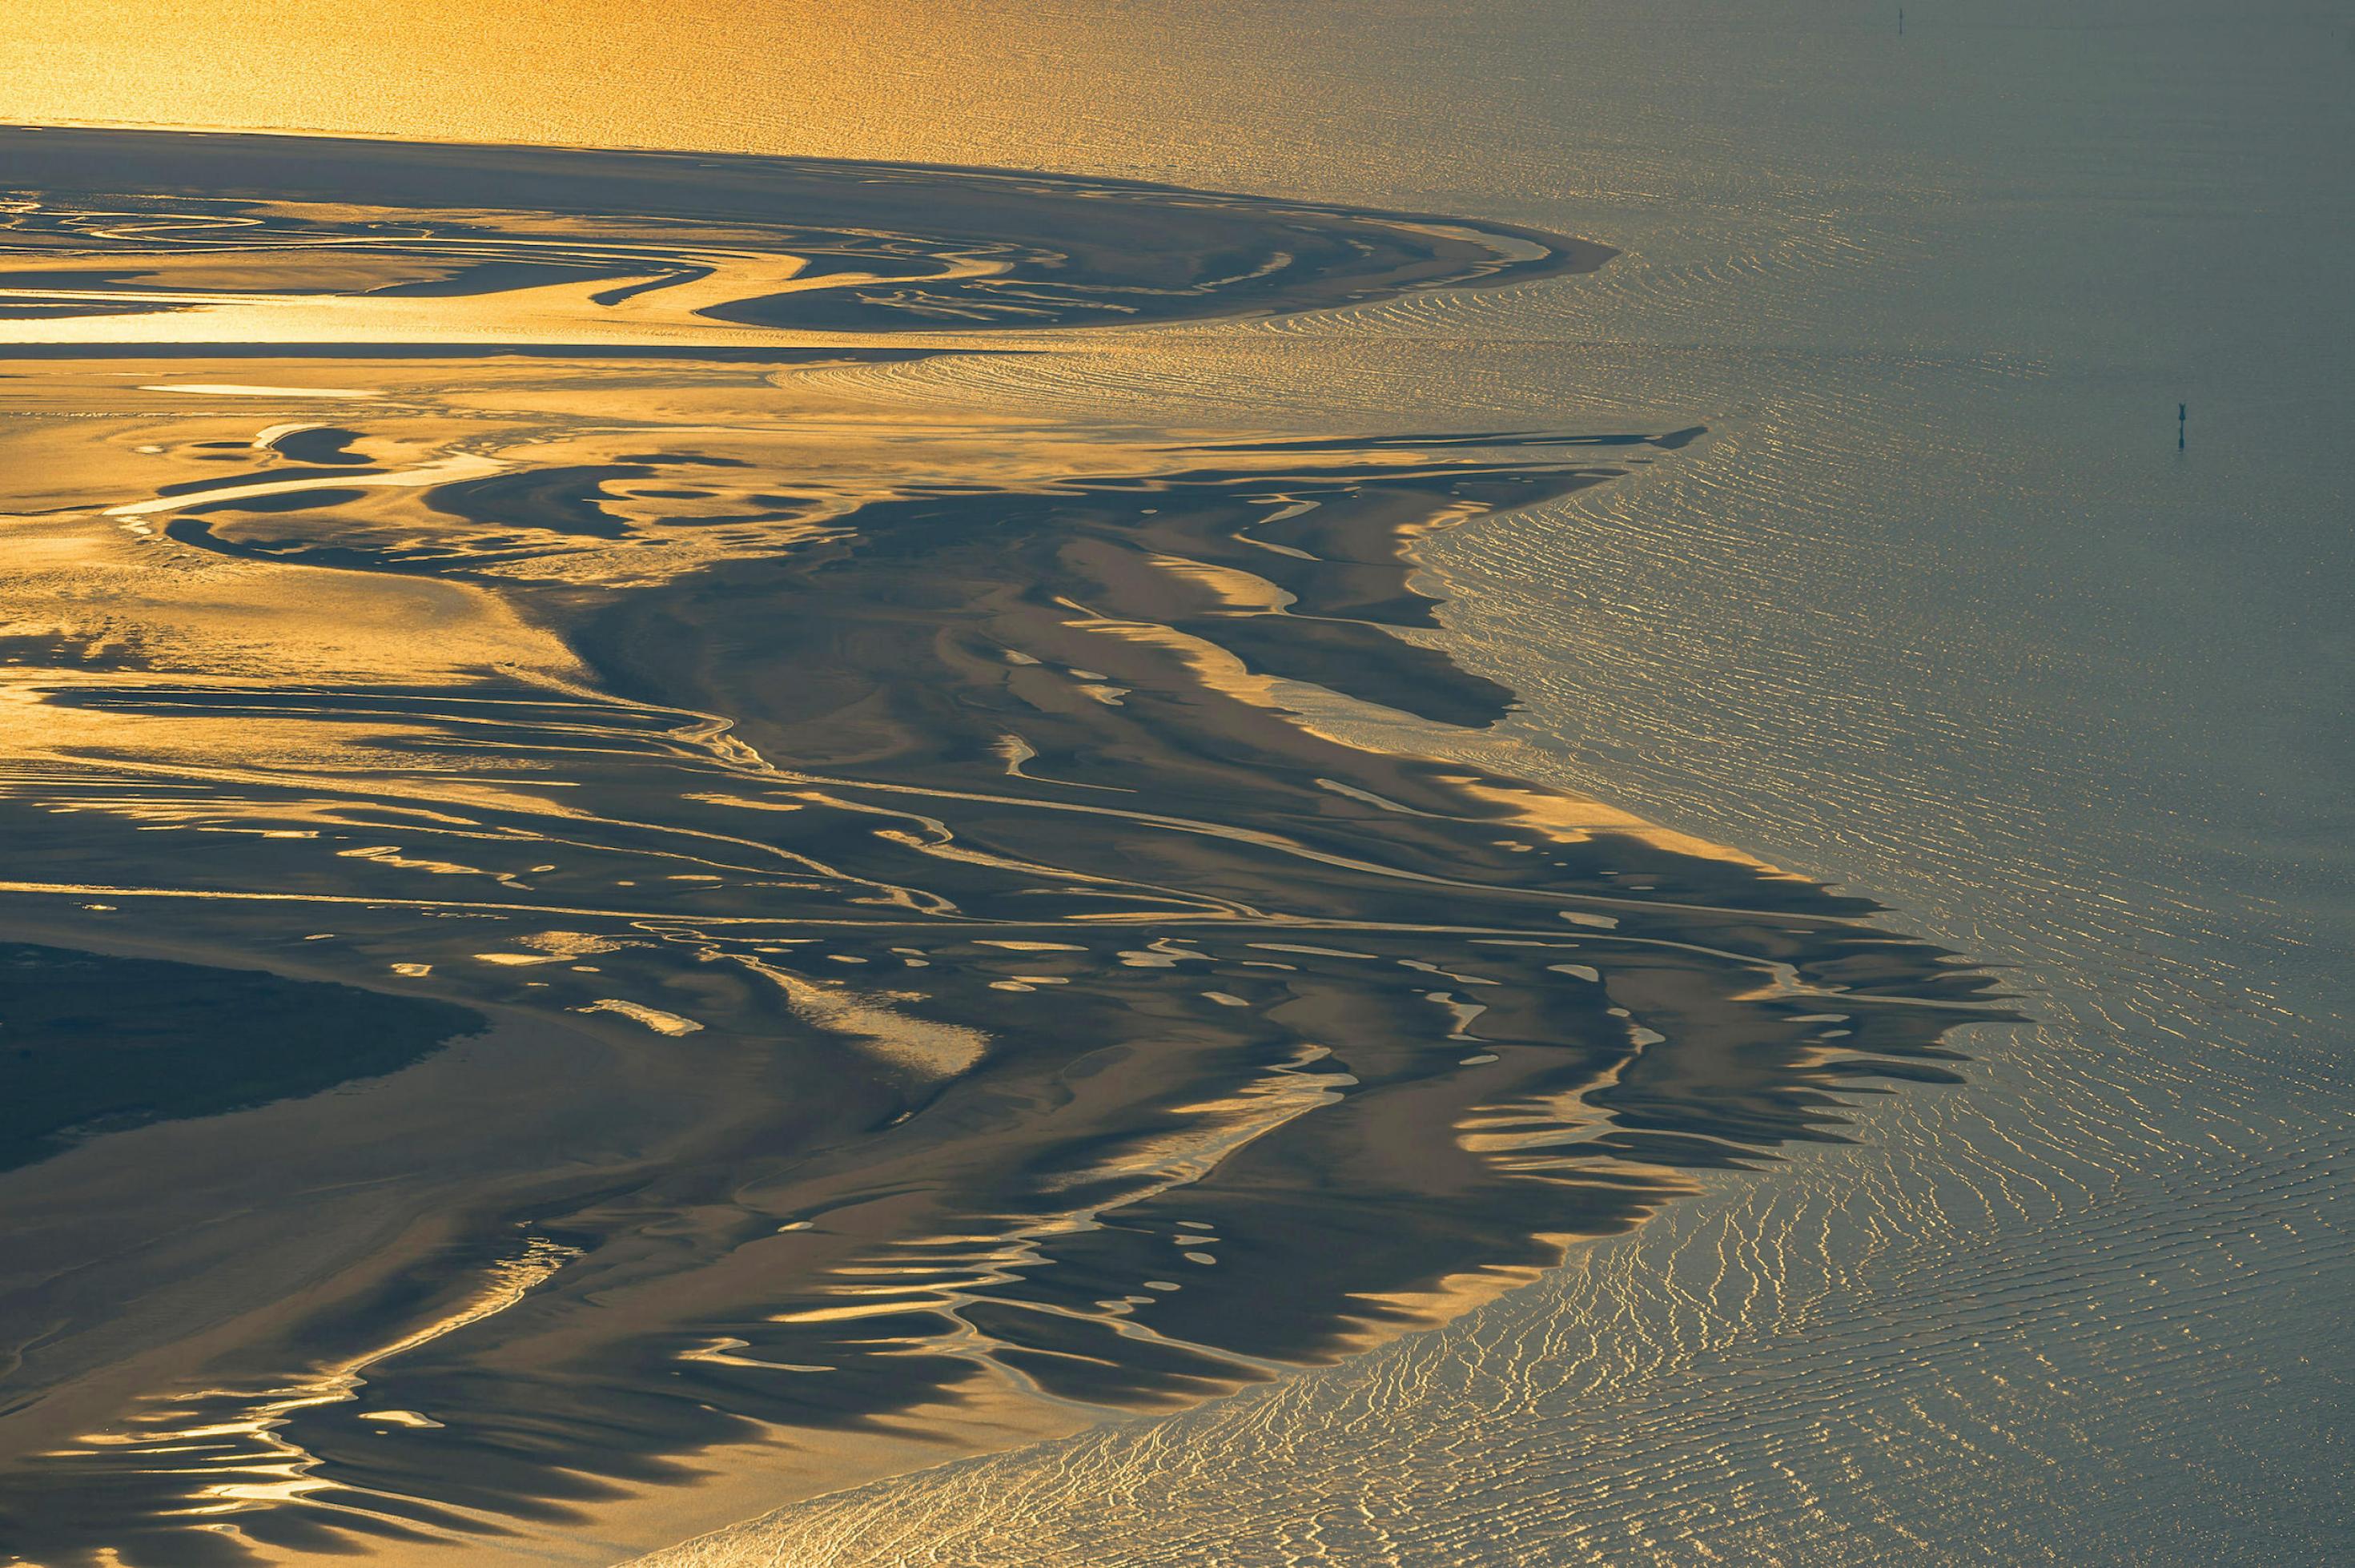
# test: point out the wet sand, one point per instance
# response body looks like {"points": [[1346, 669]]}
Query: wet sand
{"points": [[100, 1047], [949, 979]]}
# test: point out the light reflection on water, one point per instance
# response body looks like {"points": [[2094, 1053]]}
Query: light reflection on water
{"points": [[1937, 610], [1817, 294]]}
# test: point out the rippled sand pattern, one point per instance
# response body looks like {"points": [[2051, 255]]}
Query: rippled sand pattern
{"points": [[949, 966]]}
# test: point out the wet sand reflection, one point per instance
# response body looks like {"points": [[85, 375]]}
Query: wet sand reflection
{"points": [[938, 950]]}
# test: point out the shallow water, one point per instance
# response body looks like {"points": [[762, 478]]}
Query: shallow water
{"points": [[1933, 609]]}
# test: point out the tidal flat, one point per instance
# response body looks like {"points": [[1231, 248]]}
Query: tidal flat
{"points": [[862, 924]]}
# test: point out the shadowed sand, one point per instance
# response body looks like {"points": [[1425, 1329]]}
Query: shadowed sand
{"points": [[950, 972]]}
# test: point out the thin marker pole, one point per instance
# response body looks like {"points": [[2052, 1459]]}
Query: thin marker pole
{"points": [[2182, 413]]}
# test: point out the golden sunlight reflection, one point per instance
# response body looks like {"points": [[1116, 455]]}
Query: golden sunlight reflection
{"points": [[250, 1447], [875, 78], [889, 910]]}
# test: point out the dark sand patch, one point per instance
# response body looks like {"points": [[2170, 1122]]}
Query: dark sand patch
{"points": [[92, 1044]]}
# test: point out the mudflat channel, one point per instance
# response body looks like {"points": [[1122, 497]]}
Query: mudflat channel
{"points": [[621, 913]]}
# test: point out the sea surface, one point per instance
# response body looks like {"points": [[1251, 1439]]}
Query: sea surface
{"points": [[1814, 613]]}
